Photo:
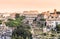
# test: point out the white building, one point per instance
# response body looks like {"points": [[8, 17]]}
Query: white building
{"points": [[52, 19]]}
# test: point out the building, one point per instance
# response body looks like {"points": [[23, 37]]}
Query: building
{"points": [[52, 19], [30, 15], [12, 15]]}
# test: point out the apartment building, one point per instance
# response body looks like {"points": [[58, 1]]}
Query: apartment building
{"points": [[30, 15], [52, 19]]}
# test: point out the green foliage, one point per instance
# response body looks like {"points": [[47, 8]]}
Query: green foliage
{"points": [[10, 19], [17, 16], [15, 37], [42, 19], [22, 32], [0, 21], [14, 23], [26, 27], [58, 27]]}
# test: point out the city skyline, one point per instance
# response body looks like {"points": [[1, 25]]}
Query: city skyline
{"points": [[26, 5]]}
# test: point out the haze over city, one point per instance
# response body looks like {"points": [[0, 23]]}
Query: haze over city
{"points": [[23, 5]]}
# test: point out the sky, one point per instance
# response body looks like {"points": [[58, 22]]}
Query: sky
{"points": [[26, 5]]}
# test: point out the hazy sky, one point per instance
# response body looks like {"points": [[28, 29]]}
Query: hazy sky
{"points": [[21, 5]]}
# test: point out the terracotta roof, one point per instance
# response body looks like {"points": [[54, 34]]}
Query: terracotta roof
{"points": [[46, 13]]}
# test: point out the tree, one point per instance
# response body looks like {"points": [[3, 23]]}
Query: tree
{"points": [[14, 23], [58, 27], [0, 21], [17, 16], [22, 32], [10, 19]]}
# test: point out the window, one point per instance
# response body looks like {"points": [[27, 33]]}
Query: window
{"points": [[52, 17]]}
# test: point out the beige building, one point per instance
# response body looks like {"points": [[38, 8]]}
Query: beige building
{"points": [[30, 15]]}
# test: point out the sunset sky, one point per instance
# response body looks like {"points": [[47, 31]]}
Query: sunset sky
{"points": [[23, 5]]}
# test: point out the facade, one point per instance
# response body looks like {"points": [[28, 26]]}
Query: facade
{"points": [[12, 15], [52, 19], [30, 15], [41, 20]]}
